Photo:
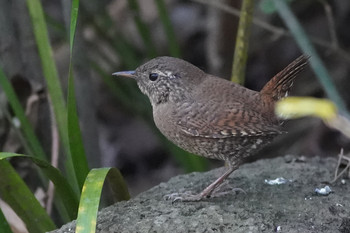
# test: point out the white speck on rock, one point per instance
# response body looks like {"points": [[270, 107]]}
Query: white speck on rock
{"points": [[277, 181], [323, 191]]}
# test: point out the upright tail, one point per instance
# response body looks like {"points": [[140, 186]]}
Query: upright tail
{"points": [[279, 86]]}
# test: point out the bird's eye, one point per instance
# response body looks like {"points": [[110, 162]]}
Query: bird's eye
{"points": [[153, 76]]}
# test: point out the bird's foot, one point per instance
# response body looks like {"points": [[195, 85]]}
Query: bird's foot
{"points": [[189, 196], [213, 190]]}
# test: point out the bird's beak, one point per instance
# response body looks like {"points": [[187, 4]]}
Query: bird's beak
{"points": [[128, 74]]}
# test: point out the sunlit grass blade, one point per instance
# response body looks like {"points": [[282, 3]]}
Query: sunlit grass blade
{"points": [[168, 27], [4, 226], [53, 82], [305, 44], [64, 190], [90, 197], [75, 138], [26, 127], [17, 195], [295, 107], [242, 42]]}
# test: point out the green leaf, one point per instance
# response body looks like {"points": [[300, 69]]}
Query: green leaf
{"points": [[63, 189], [16, 194], [90, 197], [73, 23], [4, 226], [76, 144], [75, 138], [53, 83]]}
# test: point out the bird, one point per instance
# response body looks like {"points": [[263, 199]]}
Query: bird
{"points": [[210, 116]]}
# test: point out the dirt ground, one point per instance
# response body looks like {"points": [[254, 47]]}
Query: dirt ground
{"points": [[290, 207]]}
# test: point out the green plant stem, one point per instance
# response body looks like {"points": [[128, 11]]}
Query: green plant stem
{"points": [[242, 42]]}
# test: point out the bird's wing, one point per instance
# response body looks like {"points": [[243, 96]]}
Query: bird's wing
{"points": [[236, 121]]}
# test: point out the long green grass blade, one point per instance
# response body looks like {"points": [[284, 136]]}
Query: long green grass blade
{"points": [[305, 44], [52, 81], [26, 127], [75, 138], [4, 226], [168, 28], [90, 197], [242, 42], [16, 194], [73, 23], [64, 190]]}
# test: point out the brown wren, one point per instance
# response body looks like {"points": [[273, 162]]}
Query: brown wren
{"points": [[210, 116]]}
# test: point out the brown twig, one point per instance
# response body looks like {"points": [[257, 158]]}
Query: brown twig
{"points": [[340, 159], [54, 157]]}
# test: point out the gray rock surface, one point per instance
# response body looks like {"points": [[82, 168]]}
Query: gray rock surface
{"points": [[290, 207]]}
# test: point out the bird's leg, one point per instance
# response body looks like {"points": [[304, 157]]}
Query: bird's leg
{"points": [[209, 190], [205, 193]]}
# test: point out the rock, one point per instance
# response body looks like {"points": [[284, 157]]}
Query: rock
{"points": [[289, 207]]}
